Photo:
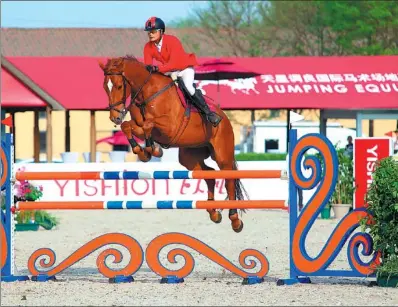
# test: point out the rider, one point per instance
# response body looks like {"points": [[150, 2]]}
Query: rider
{"points": [[168, 50]]}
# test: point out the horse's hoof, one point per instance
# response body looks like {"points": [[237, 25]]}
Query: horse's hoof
{"points": [[157, 152], [238, 228], [137, 150], [236, 223], [144, 156], [149, 150], [216, 217]]}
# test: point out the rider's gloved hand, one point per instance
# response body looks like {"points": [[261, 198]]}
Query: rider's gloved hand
{"points": [[152, 68]]}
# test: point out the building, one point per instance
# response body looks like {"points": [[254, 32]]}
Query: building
{"points": [[271, 137]]}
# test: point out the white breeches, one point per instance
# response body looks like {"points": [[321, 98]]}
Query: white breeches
{"points": [[187, 75]]}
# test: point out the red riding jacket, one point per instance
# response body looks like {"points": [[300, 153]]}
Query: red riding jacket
{"points": [[172, 55]]}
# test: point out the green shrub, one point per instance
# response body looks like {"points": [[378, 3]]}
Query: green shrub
{"points": [[382, 200], [253, 156], [43, 218]]}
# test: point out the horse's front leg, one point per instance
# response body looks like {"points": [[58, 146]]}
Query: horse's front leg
{"points": [[150, 146], [129, 129]]}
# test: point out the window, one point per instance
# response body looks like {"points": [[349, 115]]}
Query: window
{"points": [[42, 114], [271, 145], [43, 141], [120, 147]]}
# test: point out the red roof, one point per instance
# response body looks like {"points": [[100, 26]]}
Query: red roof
{"points": [[14, 94], [290, 82]]}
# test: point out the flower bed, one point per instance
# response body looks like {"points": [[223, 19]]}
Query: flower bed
{"points": [[30, 219]]}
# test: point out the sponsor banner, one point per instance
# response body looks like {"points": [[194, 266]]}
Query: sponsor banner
{"points": [[367, 151], [318, 83]]}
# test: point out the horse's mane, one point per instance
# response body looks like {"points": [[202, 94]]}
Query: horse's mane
{"points": [[130, 57], [116, 63]]}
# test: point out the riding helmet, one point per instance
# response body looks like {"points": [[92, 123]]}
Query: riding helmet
{"points": [[155, 23]]}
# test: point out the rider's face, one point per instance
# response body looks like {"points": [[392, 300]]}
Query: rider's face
{"points": [[154, 35]]}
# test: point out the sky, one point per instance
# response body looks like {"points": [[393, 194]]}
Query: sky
{"points": [[103, 14]]}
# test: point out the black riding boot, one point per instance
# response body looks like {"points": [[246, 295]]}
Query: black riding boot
{"points": [[201, 104]]}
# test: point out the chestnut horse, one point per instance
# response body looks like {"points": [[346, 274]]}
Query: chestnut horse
{"points": [[157, 115]]}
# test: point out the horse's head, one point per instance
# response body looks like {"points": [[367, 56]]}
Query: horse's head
{"points": [[115, 85], [123, 77]]}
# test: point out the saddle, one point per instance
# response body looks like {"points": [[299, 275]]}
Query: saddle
{"points": [[188, 105]]}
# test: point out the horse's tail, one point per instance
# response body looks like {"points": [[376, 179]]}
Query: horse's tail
{"points": [[240, 191]]}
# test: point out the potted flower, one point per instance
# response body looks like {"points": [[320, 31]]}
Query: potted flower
{"points": [[343, 196], [31, 219], [382, 202], [325, 213], [25, 191]]}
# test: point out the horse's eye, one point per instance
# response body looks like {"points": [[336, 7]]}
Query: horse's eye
{"points": [[119, 87]]}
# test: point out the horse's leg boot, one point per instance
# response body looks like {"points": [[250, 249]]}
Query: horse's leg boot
{"points": [[154, 149], [201, 104], [135, 146], [137, 149], [149, 145]]}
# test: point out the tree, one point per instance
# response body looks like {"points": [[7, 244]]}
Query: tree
{"points": [[364, 27], [301, 26], [298, 28], [234, 26]]}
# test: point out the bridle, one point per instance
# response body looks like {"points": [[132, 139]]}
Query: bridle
{"points": [[123, 100]]}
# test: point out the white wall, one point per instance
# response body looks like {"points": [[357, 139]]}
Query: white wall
{"points": [[277, 130]]}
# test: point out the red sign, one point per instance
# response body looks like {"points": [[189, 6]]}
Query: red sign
{"points": [[367, 151]]}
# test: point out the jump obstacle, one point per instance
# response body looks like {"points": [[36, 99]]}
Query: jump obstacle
{"points": [[302, 266], [108, 175]]}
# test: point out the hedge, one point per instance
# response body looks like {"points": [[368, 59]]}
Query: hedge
{"points": [[252, 156]]}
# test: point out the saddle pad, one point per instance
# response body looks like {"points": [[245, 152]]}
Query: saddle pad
{"points": [[211, 104]]}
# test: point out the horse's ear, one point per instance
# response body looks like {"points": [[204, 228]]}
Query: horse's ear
{"points": [[102, 65]]}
